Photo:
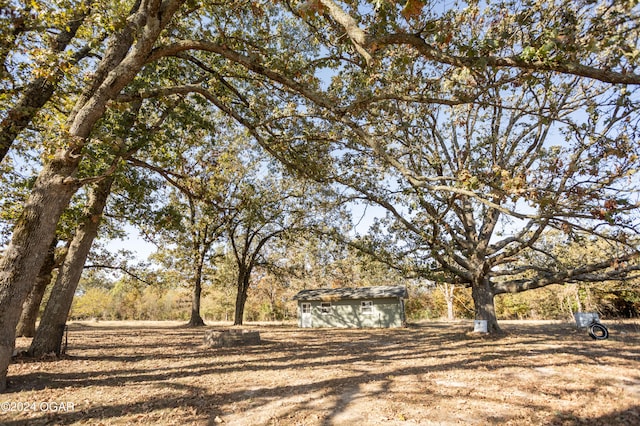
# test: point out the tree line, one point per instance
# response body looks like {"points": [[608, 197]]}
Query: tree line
{"points": [[271, 301]]}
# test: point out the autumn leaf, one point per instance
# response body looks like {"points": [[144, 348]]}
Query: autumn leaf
{"points": [[413, 8], [311, 8]]}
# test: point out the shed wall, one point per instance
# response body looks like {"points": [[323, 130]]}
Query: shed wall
{"points": [[388, 312]]}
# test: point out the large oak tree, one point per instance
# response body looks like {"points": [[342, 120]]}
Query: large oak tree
{"points": [[471, 189]]}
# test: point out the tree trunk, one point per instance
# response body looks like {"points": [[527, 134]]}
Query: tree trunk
{"points": [[448, 292], [450, 314], [26, 253], [241, 297], [31, 307], [577, 296], [48, 338], [483, 300], [196, 320]]}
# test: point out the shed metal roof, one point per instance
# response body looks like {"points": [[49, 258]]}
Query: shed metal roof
{"points": [[378, 292]]}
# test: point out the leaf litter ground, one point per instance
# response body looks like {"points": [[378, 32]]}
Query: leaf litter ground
{"points": [[438, 373]]}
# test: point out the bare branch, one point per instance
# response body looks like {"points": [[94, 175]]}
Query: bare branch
{"points": [[118, 268]]}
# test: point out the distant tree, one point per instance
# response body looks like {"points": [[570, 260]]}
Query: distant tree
{"points": [[189, 246], [263, 210], [94, 303], [271, 206], [201, 170], [448, 291]]}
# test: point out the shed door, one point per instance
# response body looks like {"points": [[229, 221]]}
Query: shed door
{"points": [[305, 315]]}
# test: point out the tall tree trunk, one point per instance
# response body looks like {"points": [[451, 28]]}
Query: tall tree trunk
{"points": [[241, 297], [483, 300], [196, 320], [55, 185], [447, 291], [49, 335], [450, 289], [26, 253], [27, 323]]}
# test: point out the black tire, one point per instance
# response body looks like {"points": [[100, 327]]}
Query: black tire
{"points": [[598, 331]]}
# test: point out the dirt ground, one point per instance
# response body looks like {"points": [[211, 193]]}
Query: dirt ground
{"points": [[438, 373]]}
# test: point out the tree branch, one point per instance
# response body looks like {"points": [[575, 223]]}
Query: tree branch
{"points": [[440, 56], [585, 273], [354, 32], [118, 268]]}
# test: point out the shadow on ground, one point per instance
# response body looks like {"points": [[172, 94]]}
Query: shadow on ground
{"points": [[127, 374]]}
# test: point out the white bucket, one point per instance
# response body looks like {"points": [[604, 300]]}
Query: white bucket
{"points": [[480, 326], [583, 319]]}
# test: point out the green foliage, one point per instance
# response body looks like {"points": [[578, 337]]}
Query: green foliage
{"points": [[127, 299], [218, 305], [95, 303], [422, 306]]}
